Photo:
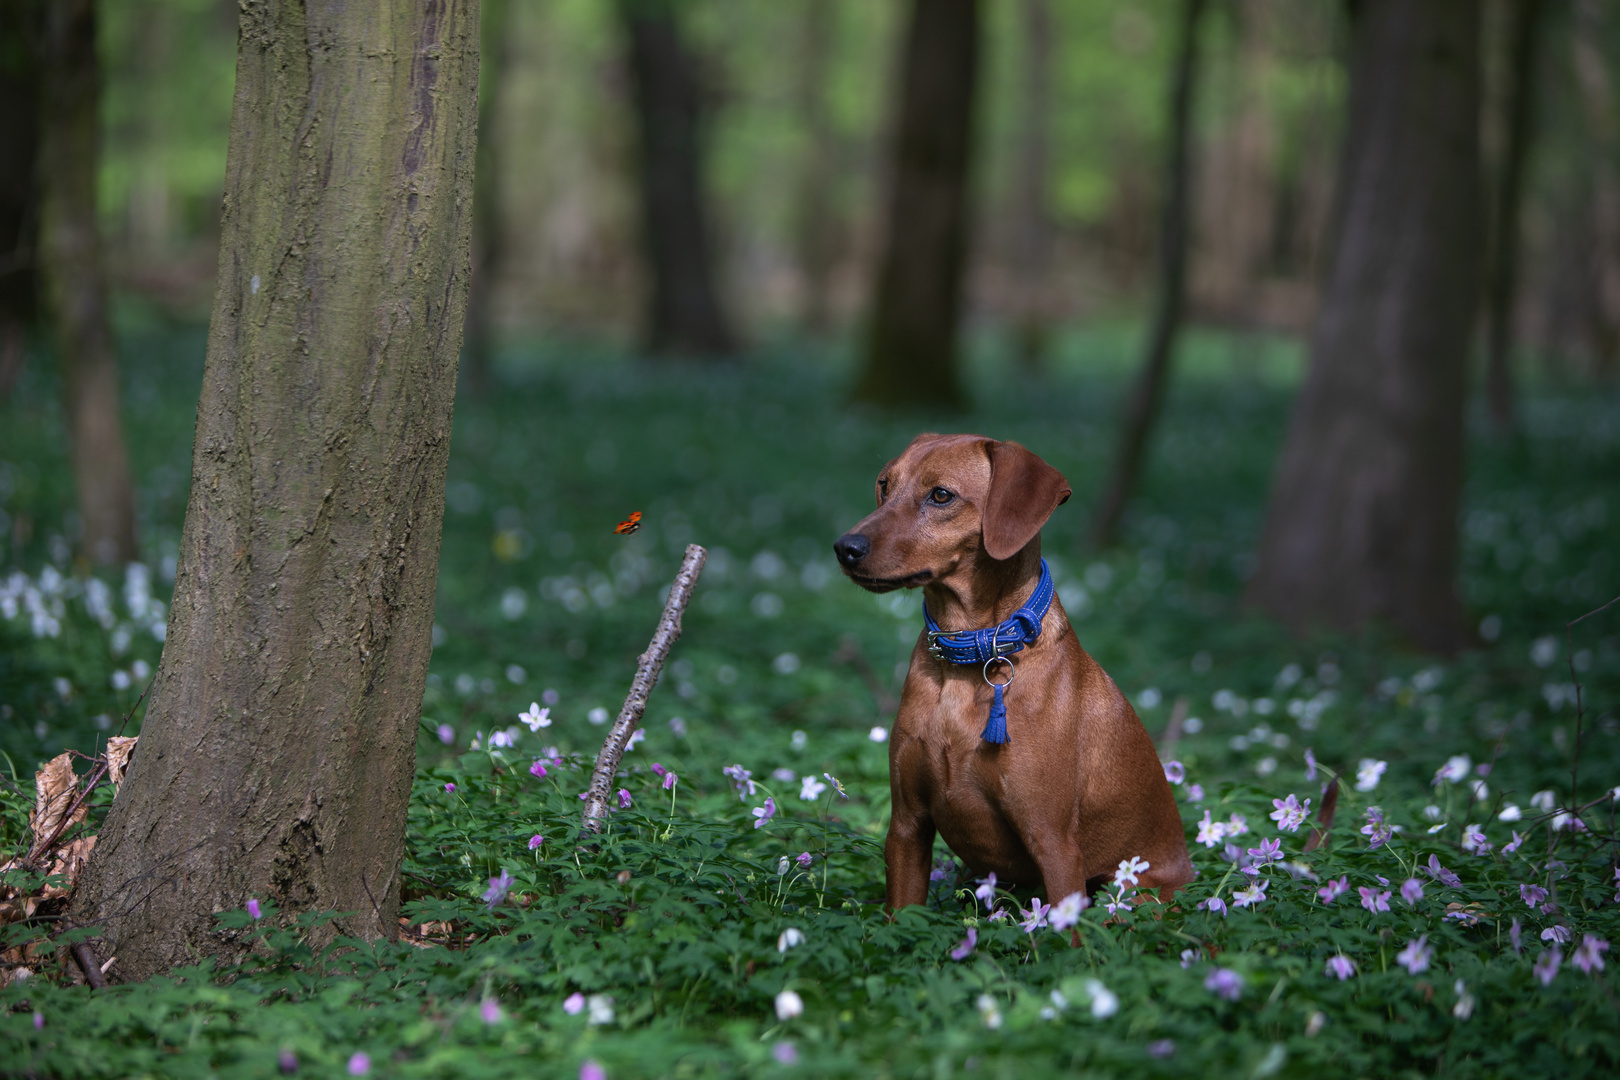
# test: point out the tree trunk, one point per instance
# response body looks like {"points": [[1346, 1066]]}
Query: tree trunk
{"points": [[1034, 216], [20, 25], [1362, 522], [911, 351], [489, 249], [1603, 130], [684, 316], [818, 241], [75, 283], [280, 740], [1143, 407], [1524, 32]]}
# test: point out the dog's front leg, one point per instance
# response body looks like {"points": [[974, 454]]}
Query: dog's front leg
{"points": [[906, 857]]}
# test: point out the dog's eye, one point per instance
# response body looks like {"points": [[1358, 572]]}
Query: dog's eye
{"points": [[939, 496], [883, 489]]}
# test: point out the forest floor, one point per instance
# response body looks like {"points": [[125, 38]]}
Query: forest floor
{"points": [[699, 940]]}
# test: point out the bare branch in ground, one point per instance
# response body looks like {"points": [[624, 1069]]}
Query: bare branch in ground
{"points": [[651, 663]]}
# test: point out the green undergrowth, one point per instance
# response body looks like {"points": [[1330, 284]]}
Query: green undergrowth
{"points": [[682, 929]]}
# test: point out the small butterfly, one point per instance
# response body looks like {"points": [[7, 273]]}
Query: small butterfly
{"points": [[629, 524]]}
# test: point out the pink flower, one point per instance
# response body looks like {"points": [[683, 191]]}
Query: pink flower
{"points": [[449, 789], [1333, 889], [1589, 954], [1532, 895], [966, 945], [538, 770], [1289, 814], [1210, 831], [535, 841], [1412, 891], [804, 859], [1341, 966], [590, 1070], [659, 769], [498, 888], [573, 1003], [1373, 900], [1268, 851], [1377, 831], [624, 799], [359, 1064], [1416, 956], [762, 814], [253, 909], [489, 1010], [1546, 968]]}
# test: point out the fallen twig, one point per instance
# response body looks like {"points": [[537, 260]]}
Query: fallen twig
{"points": [[90, 965], [648, 667]]}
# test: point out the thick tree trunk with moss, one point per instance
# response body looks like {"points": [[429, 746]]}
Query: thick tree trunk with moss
{"points": [[280, 741], [684, 315], [1362, 522], [911, 350], [74, 282]]}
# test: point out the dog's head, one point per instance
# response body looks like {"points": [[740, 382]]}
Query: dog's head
{"points": [[947, 502]]}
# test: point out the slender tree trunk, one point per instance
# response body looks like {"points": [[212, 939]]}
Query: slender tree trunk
{"points": [[1603, 131], [75, 282], [489, 248], [20, 32], [280, 741], [1362, 522], [1524, 34], [1143, 408], [1034, 200], [684, 317], [818, 241], [911, 346]]}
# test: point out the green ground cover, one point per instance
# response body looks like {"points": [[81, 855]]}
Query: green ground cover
{"points": [[669, 952]]}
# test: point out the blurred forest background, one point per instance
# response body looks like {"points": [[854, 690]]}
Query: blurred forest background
{"points": [[796, 102]]}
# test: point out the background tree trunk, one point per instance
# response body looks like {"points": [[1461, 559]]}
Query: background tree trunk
{"points": [[20, 27], [818, 240], [280, 740], [1524, 34], [911, 350], [1603, 130], [489, 246], [1362, 522], [685, 315], [75, 283], [1034, 257], [1143, 407]]}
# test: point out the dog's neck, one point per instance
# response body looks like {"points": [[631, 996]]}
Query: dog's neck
{"points": [[984, 592]]}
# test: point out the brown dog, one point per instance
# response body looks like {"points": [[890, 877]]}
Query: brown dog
{"points": [[1077, 788]]}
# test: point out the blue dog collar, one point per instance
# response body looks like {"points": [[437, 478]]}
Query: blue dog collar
{"points": [[992, 644]]}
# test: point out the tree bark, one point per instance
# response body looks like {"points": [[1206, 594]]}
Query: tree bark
{"points": [[75, 283], [684, 316], [911, 345], [20, 25], [1524, 34], [489, 248], [818, 241], [1034, 199], [1603, 131], [1362, 522], [280, 741], [1143, 408]]}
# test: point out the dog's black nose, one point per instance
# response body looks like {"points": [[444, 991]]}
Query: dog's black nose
{"points": [[851, 548]]}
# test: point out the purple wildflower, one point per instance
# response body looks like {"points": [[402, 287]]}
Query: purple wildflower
{"points": [[1333, 889], [966, 945], [287, 1061], [574, 1003], [39, 1020], [1237, 825], [1377, 830], [359, 1064], [538, 770], [1589, 954], [1340, 966], [1224, 983], [1195, 793], [1473, 840], [1035, 918], [1289, 814], [1161, 1048], [489, 1010], [449, 789], [742, 780], [1373, 900], [1616, 878], [785, 1053], [591, 1070], [804, 859], [1441, 874], [1412, 891], [624, 799], [762, 814], [1251, 895], [1215, 905], [1513, 845], [447, 734], [1546, 968], [659, 769], [498, 888], [1516, 937], [1268, 851], [1558, 935], [987, 890], [670, 780], [1175, 772], [254, 910], [1211, 832], [535, 841], [1532, 895], [1416, 956], [1310, 764]]}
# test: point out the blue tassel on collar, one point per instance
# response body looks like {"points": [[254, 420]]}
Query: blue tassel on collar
{"points": [[992, 643]]}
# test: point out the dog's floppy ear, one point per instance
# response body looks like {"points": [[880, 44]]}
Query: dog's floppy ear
{"points": [[1024, 490]]}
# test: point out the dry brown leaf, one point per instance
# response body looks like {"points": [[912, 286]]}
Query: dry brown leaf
{"points": [[15, 975], [70, 860], [119, 748], [55, 788]]}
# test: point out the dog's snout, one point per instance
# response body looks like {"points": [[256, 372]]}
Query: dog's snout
{"points": [[851, 548]]}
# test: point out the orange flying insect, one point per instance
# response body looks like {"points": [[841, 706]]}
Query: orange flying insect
{"points": [[629, 524]]}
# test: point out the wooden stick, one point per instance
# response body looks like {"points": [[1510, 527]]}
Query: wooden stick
{"points": [[90, 964], [651, 663]]}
